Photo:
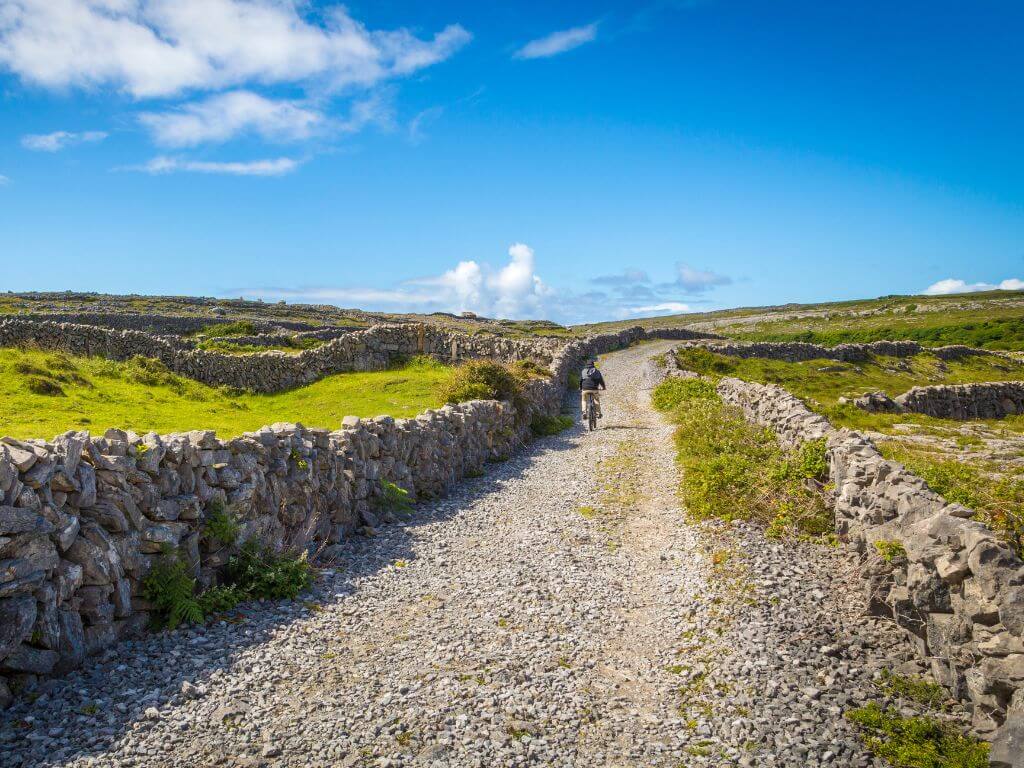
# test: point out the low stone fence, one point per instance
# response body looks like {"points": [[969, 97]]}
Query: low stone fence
{"points": [[372, 349], [177, 325], [988, 400], [798, 351], [956, 589]]}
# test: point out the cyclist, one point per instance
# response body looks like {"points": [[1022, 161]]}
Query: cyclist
{"points": [[590, 381]]}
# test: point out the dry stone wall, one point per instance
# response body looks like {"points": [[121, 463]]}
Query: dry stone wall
{"points": [[82, 517], [798, 351], [958, 591], [989, 400]]}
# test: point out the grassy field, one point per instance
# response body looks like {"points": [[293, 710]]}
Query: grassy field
{"points": [[43, 394], [821, 383], [993, 320]]}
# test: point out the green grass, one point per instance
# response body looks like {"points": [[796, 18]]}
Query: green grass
{"points": [[734, 470], [140, 395], [820, 383], [932, 330], [292, 346]]}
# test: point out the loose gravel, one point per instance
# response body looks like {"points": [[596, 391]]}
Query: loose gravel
{"points": [[558, 611]]}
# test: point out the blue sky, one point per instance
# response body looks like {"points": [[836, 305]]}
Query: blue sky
{"points": [[579, 161]]}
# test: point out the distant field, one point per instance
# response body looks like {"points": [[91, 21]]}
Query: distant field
{"points": [[44, 394], [992, 320], [822, 382]]}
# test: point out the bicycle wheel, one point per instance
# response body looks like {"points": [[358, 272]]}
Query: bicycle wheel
{"points": [[592, 416]]}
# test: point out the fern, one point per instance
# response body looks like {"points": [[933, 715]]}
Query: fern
{"points": [[394, 498], [172, 591], [221, 524]]}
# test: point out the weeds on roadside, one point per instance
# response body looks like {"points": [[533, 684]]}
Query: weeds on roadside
{"points": [[394, 498], [544, 426], [916, 742], [253, 572], [735, 470]]}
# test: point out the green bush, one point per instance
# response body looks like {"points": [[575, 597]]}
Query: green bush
{"points": [[481, 380], [254, 572], [917, 742], [673, 391], [543, 426], [42, 385], [171, 590], [260, 572]]}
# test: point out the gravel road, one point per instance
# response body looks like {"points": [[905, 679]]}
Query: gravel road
{"points": [[557, 611]]}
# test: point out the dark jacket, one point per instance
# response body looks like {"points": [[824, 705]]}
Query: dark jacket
{"points": [[591, 379]]}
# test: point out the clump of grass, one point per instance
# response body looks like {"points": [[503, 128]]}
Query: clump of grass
{"points": [[924, 692], [543, 426], [916, 742], [735, 470], [890, 550], [43, 385], [530, 369], [220, 524]]}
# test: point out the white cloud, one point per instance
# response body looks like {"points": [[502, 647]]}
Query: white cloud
{"points": [[226, 115], [4, 180], [664, 308], [699, 280], [558, 42], [159, 48], [162, 165], [951, 285], [58, 140], [513, 291]]}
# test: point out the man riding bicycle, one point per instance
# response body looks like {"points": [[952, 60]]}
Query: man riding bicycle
{"points": [[590, 381]]}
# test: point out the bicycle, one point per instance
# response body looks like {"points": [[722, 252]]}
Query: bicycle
{"points": [[590, 413]]}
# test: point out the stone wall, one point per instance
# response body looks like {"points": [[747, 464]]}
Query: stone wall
{"points": [[368, 350], [797, 351], [989, 400], [178, 325], [958, 591]]}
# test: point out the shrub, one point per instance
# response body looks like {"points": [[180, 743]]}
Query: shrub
{"points": [[543, 426], [171, 590], [481, 380], [254, 572], [530, 369], [890, 550], [917, 742]]}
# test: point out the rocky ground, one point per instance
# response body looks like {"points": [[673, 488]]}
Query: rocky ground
{"points": [[558, 611]]}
